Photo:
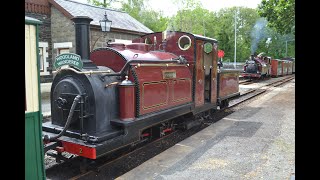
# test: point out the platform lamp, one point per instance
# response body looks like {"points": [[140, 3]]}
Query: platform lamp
{"points": [[105, 25]]}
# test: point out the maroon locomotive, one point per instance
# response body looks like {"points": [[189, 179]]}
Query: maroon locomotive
{"points": [[130, 93], [261, 66], [257, 67]]}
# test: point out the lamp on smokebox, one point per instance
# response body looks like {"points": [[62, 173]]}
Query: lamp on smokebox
{"points": [[105, 23]]}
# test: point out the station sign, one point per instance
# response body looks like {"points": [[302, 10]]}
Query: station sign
{"points": [[69, 59]]}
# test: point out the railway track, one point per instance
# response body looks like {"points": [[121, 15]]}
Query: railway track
{"points": [[254, 92], [124, 160], [245, 81]]}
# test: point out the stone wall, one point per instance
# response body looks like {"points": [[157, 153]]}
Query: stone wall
{"points": [[99, 39], [62, 30]]}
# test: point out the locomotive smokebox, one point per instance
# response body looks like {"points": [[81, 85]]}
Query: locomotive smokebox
{"points": [[126, 100], [82, 28]]}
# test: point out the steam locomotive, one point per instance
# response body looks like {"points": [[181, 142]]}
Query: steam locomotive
{"points": [[131, 93], [262, 66]]}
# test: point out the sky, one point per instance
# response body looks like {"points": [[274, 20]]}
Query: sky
{"points": [[169, 9]]}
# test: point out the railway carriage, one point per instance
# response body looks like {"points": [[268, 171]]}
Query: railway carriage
{"points": [[293, 66], [290, 65], [276, 68]]}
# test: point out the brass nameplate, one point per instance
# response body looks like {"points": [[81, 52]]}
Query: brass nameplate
{"points": [[169, 74]]}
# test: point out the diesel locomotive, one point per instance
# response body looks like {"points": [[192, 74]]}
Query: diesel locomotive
{"points": [[130, 93]]}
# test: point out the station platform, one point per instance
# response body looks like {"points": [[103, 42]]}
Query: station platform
{"points": [[257, 141]]}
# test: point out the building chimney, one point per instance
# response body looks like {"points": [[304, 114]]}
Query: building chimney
{"points": [[82, 27]]}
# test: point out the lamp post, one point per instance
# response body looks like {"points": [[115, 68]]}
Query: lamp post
{"points": [[105, 25], [235, 38]]}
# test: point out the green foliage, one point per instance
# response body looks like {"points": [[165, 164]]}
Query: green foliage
{"points": [[150, 18], [192, 17], [103, 3], [280, 14], [133, 7]]}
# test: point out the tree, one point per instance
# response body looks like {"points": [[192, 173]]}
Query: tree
{"points": [[103, 3], [224, 31], [152, 19], [280, 14], [133, 7]]}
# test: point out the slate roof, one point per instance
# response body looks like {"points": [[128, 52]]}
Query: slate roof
{"points": [[120, 19]]}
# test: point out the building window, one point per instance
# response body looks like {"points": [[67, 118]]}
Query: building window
{"points": [[63, 50], [43, 55], [63, 47], [41, 59]]}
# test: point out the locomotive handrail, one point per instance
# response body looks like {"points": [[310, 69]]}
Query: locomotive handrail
{"points": [[179, 60], [82, 72], [161, 65]]}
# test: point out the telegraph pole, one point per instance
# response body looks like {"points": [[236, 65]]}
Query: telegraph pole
{"points": [[204, 28], [287, 46], [235, 38]]}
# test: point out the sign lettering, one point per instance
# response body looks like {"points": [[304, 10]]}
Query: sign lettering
{"points": [[70, 59], [169, 74]]}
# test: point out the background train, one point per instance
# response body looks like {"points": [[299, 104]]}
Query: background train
{"points": [[127, 94], [261, 66]]}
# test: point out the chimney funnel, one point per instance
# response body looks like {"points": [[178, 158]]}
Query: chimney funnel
{"points": [[252, 57], [82, 28]]}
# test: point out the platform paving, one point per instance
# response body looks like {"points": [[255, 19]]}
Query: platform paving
{"points": [[255, 142]]}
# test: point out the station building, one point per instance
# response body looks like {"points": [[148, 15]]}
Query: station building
{"points": [[57, 33]]}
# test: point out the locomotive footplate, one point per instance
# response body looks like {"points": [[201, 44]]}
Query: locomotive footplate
{"points": [[83, 148], [115, 140], [251, 75]]}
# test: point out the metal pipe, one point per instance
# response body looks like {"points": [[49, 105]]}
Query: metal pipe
{"points": [[176, 60], [161, 65], [286, 48], [81, 116], [66, 126], [83, 72]]}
